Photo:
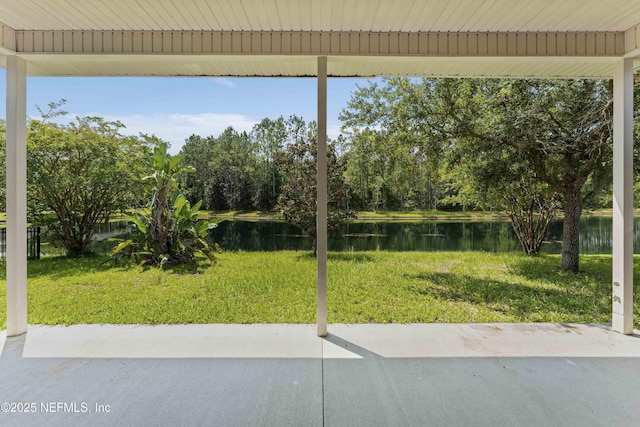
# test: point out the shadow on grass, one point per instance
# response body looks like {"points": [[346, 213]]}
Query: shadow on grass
{"points": [[582, 299], [340, 256], [350, 257], [547, 268], [64, 266], [187, 269]]}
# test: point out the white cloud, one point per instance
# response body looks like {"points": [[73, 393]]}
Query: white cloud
{"points": [[225, 82], [175, 128], [333, 131]]}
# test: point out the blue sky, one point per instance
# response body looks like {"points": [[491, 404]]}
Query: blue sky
{"points": [[174, 108]]}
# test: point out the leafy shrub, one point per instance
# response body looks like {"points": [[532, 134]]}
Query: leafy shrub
{"points": [[171, 231]]}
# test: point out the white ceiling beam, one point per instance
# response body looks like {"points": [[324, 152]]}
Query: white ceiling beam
{"points": [[632, 42], [61, 64], [539, 44], [7, 40]]}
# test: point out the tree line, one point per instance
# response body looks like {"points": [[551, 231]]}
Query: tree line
{"points": [[416, 144], [239, 170]]}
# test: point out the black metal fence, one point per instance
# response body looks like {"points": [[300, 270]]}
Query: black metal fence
{"points": [[33, 243]]}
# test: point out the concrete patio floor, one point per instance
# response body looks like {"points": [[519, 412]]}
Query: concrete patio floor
{"points": [[283, 375]]}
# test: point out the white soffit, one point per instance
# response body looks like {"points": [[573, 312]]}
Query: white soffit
{"points": [[171, 65], [306, 66], [473, 67]]}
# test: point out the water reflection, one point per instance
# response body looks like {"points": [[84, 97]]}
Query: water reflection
{"points": [[493, 236]]}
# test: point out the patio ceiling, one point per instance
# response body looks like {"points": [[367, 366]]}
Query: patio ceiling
{"points": [[520, 38], [325, 15]]}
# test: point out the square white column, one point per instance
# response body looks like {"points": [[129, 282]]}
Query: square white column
{"points": [[16, 196], [622, 317], [321, 200]]}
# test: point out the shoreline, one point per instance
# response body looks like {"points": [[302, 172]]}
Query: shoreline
{"points": [[398, 216], [381, 216]]}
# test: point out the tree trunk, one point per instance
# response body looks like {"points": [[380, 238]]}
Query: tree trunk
{"points": [[531, 225], [314, 244], [571, 231]]}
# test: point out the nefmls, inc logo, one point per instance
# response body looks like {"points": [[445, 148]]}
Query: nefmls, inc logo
{"points": [[72, 407]]}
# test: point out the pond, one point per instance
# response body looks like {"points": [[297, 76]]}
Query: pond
{"points": [[491, 236]]}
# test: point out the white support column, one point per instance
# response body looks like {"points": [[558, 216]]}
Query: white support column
{"points": [[622, 318], [321, 201], [16, 196]]}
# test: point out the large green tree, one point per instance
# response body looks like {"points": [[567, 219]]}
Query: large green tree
{"points": [[395, 155], [269, 136], [79, 174], [297, 200], [226, 167], [237, 170], [558, 130], [503, 178], [561, 129]]}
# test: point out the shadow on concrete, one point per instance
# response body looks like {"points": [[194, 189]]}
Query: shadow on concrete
{"points": [[396, 380]]}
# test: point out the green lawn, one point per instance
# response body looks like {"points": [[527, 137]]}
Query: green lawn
{"points": [[279, 287]]}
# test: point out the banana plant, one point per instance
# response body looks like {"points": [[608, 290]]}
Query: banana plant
{"points": [[172, 230]]}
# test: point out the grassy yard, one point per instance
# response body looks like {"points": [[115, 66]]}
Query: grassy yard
{"points": [[279, 287]]}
